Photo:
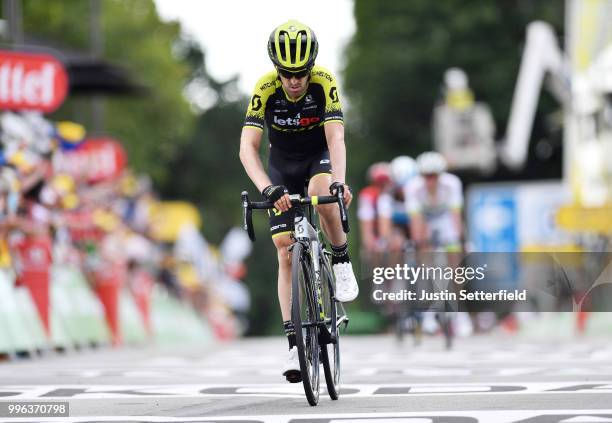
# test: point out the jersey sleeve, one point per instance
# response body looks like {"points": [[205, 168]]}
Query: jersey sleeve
{"points": [[413, 205], [265, 87], [333, 107], [365, 209], [455, 200], [384, 205]]}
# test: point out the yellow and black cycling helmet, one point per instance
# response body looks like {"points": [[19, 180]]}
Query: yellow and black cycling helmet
{"points": [[293, 46]]}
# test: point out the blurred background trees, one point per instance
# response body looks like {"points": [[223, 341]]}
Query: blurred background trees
{"points": [[397, 58]]}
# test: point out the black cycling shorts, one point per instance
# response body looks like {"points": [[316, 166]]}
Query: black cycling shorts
{"points": [[295, 174]]}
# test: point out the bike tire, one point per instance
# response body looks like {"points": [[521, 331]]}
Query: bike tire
{"points": [[418, 330], [400, 326], [330, 353], [447, 330], [303, 314]]}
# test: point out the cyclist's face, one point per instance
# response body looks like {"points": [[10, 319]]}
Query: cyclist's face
{"points": [[431, 181], [295, 87]]}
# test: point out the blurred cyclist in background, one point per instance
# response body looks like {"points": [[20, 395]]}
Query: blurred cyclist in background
{"points": [[394, 224], [394, 220], [379, 178], [434, 201]]}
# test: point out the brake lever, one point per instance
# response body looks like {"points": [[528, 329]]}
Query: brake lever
{"points": [[343, 215], [247, 216]]}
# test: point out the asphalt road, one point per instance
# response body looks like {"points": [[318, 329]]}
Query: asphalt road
{"points": [[492, 378]]}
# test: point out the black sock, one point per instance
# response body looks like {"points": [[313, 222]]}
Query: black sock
{"points": [[340, 254], [290, 332]]}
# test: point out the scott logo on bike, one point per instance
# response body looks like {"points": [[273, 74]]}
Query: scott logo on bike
{"points": [[296, 121]]}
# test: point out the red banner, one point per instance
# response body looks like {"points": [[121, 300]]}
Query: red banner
{"points": [[96, 160], [31, 81]]}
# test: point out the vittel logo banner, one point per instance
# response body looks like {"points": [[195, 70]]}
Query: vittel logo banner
{"points": [[31, 82]]}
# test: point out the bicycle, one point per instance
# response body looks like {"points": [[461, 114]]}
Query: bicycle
{"points": [[315, 312], [408, 317], [444, 317]]}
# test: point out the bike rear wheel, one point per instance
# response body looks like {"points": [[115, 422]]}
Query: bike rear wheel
{"points": [[304, 311], [330, 351], [400, 325]]}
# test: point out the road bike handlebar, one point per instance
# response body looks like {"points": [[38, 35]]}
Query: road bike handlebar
{"points": [[296, 200]]}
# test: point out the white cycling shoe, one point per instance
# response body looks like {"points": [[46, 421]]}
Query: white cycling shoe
{"points": [[291, 369], [346, 284]]}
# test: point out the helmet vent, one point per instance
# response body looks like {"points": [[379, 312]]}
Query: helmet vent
{"points": [[302, 38], [282, 37]]}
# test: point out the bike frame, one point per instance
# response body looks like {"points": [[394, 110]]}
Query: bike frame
{"points": [[310, 237]]}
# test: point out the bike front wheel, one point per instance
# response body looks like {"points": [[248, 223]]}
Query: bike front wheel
{"points": [[330, 351], [304, 316]]}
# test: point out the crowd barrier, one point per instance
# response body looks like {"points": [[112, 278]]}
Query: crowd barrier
{"points": [[80, 317], [21, 329]]}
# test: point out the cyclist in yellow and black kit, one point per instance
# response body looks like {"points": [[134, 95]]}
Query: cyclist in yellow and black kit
{"points": [[300, 105]]}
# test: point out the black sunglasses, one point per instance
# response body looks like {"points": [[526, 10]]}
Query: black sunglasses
{"points": [[288, 74]]}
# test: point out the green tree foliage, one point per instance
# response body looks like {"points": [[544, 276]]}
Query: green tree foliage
{"points": [[397, 58], [160, 121], [207, 170], [151, 126]]}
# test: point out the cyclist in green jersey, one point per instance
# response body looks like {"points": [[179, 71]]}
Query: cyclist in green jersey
{"points": [[299, 103]]}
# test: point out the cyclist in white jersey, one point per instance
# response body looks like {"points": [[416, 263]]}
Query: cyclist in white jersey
{"points": [[434, 201]]}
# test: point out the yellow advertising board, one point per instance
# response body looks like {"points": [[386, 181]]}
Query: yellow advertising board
{"points": [[168, 217], [583, 219]]}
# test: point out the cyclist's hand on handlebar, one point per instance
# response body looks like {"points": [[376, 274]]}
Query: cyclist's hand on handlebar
{"points": [[348, 194], [279, 195]]}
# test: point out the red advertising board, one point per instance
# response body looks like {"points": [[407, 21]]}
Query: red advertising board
{"points": [[96, 160], [31, 81]]}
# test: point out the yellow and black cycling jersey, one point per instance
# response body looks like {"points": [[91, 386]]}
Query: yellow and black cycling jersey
{"points": [[295, 126]]}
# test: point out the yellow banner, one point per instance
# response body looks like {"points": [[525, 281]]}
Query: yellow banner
{"points": [[592, 219], [168, 217]]}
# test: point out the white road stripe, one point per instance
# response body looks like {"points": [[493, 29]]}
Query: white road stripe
{"points": [[69, 392], [496, 416]]}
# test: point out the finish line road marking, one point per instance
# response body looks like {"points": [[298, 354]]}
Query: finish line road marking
{"points": [[8, 393], [426, 370]]}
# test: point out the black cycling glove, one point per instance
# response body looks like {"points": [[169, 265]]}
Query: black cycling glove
{"points": [[333, 188], [273, 193]]}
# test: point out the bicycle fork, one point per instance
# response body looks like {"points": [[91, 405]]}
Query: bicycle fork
{"points": [[324, 336]]}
